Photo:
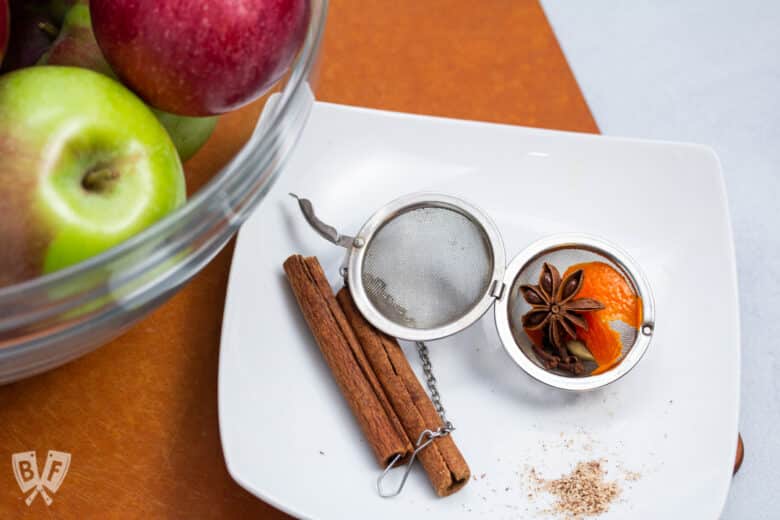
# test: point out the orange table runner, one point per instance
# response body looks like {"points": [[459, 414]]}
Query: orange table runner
{"points": [[139, 416]]}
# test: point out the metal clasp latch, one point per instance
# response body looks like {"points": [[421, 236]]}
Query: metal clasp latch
{"points": [[426, 437], [327, 232]]}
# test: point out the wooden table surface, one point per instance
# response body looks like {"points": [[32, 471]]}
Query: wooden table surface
{"points": [[139, 415]]}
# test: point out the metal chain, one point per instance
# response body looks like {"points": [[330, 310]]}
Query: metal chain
{"points": [[430, 380], [426, 436]]}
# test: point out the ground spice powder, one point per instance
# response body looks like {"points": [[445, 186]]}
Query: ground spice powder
{"points": [[581, 493]]}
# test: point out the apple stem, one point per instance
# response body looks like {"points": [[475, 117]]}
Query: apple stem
{"points": [[49, 28], [100, 180]]}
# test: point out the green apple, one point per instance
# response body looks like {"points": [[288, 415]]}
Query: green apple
{"points": [[76, 46], [85, 165], [57, 9], [189, 134]]}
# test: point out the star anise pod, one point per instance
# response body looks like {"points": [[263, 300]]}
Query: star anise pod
{"points": [[553, 305]]}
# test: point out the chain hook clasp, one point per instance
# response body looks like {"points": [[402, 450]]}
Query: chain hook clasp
{"points": [[426, 437]]}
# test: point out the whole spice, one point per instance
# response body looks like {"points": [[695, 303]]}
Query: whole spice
{"points": [[553, 305], [446, 468], [579, 349], [556, 311], [346, 360], [375, 378]]}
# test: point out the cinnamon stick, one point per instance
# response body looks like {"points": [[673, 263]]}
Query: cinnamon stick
{"points": [[443, 462], [343, 354]]}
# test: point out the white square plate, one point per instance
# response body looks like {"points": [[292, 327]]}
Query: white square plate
{"points": [[287, 434]]}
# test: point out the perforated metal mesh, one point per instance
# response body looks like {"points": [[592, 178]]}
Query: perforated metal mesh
{"points": [[562, 259], [427, 267]]}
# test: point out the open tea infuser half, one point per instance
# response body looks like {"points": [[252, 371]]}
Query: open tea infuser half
{"points": [[428, 265]]}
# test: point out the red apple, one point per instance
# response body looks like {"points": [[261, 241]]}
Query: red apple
{"points": [[199, 57], [5, 27]]}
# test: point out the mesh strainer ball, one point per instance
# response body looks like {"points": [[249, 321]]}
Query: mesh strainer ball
{"points": [[429, 265], [426, 266]]}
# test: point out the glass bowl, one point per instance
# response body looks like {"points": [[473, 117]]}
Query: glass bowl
{"points": [[48, 321]]}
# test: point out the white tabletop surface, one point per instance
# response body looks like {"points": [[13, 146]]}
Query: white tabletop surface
{"points": [[706, 71]]}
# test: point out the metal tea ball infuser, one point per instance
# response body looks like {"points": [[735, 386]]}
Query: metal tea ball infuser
{"points": [[428, 265]]}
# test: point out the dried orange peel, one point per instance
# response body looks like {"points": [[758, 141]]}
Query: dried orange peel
{"points": [[604, 283]]}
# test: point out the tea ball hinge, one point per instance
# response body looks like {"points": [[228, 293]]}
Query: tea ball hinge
{"points": [[497, 289]]}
